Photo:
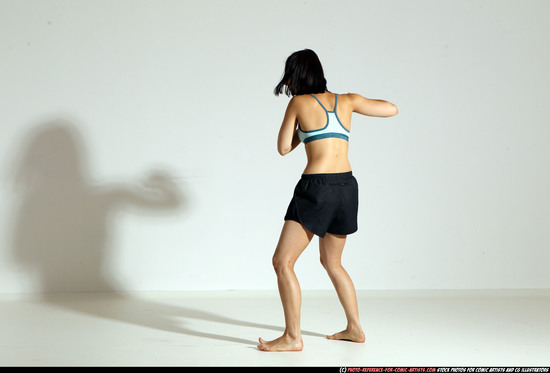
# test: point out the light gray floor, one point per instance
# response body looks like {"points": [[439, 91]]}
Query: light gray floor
{"points": [[403, 328]]}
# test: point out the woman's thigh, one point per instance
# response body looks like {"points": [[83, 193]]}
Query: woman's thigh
{"points": [[292, 242], [331, 248]]}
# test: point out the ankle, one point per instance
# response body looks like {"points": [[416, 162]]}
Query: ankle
{"points": [[292, 335], [354, 328]]}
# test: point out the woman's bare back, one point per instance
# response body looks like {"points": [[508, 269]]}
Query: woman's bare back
{"points": [[328, 155]]}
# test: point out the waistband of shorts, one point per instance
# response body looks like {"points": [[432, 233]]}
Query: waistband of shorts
{"points": [[328, 176]]}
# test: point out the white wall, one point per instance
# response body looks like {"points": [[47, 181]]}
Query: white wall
{"points": [[97, 95]]}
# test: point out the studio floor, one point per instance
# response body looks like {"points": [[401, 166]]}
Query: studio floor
{"points": [[403, 328]]}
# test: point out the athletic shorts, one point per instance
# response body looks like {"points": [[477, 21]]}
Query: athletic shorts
{"points": [[325, 203]]}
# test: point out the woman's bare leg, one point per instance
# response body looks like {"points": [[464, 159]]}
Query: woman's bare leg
{"points": [[331, 248], [293, 241]]}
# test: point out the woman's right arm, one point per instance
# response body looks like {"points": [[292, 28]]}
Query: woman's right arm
{"points": [[288, 139], [372, 107]]}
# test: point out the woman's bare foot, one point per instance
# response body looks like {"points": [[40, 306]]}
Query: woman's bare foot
{"points": [[349, 335], [283, 343]]}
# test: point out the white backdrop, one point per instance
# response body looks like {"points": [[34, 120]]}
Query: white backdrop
{"points": [[95, 96]]}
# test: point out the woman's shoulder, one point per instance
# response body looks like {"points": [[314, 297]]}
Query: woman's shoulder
{"points": [[346, 99], [301, 100], [348, 96]]}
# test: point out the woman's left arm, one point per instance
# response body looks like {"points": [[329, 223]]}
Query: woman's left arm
{"points": [[288, 138]]}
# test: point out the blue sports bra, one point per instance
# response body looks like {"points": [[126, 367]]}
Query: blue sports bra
{"points": [[333, 128]]}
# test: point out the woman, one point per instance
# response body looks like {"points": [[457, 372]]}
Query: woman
{"points": [[325, 199]]}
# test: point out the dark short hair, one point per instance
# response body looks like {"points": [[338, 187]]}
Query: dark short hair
{"points": [[303, 74]]}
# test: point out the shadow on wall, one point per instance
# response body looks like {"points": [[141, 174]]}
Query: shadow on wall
{"points": [[63, 224], [63, 231]]}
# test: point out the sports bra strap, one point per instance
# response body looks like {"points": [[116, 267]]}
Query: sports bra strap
{"points": [[335, 102], [332, 128]]}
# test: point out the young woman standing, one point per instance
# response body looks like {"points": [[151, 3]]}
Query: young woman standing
{"points": [[325, 200]]}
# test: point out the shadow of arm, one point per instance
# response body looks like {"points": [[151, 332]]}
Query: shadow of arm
{"points": [[159, 192]]}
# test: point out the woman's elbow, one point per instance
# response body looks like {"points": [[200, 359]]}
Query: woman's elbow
{"points": [[284, 147], [393, 110], [283, 151]]}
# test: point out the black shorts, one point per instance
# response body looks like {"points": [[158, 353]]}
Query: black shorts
{"points": [[326, 203]]}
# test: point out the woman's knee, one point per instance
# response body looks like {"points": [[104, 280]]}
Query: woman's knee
{"points": [[282, 264], [330, 265]]}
